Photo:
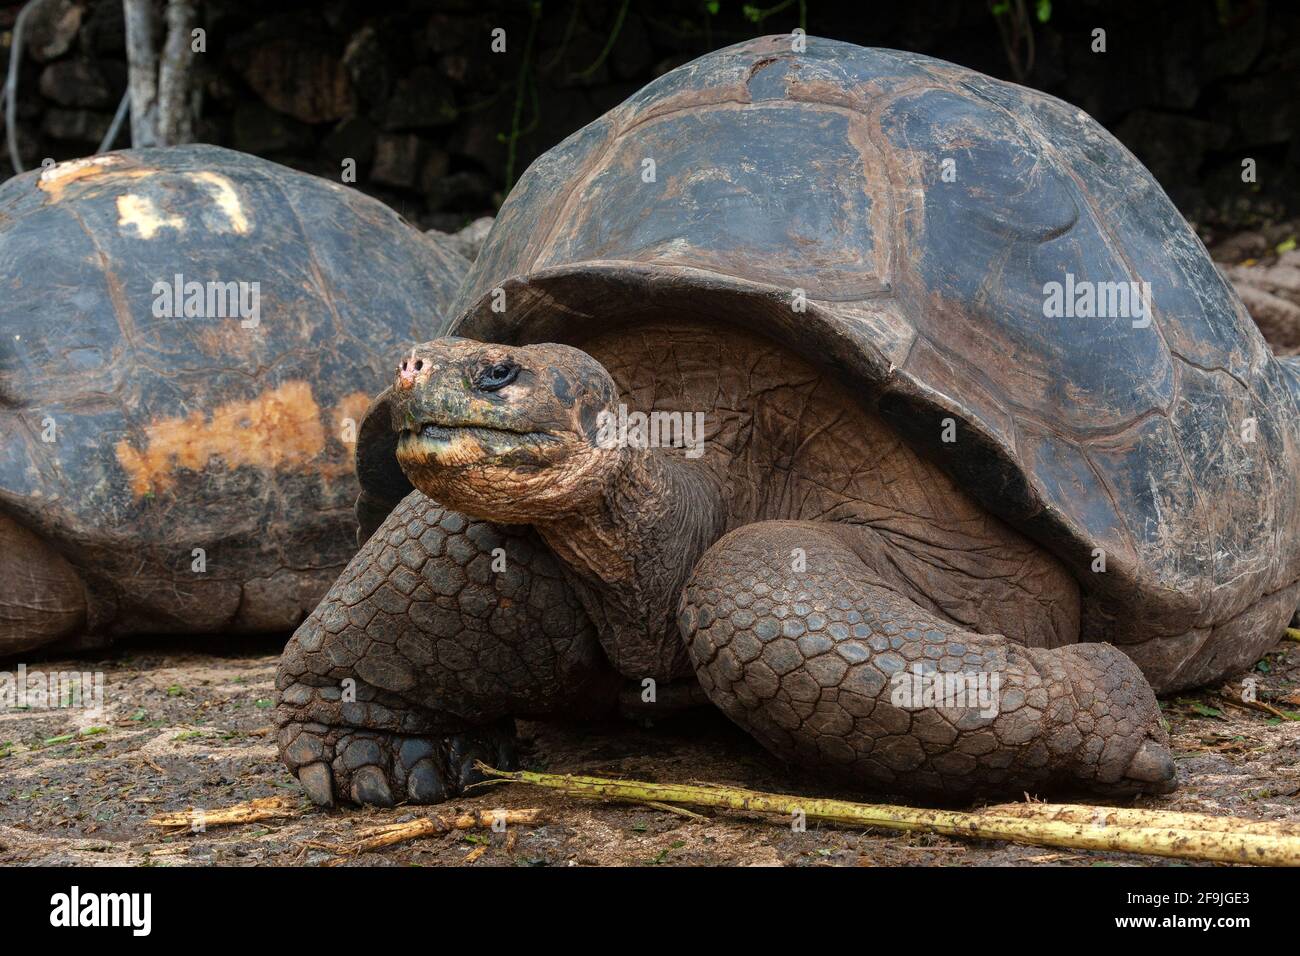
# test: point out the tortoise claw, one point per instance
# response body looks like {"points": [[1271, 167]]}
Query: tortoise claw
{"points": [[1153, 767], [317, 780]]}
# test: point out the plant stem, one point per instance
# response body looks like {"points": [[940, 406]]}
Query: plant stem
{"points": [[1177, 835]]}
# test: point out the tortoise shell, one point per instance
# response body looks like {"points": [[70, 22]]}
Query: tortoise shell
{"points": [[190, 336], [901, 220]]}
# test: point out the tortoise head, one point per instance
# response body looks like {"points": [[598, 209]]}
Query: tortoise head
{"points": [[499, 432]]}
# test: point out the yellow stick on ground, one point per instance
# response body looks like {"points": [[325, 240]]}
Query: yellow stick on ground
{"points": [[1293, 633], [264, 808], [1172, 837], [1131, 817]]}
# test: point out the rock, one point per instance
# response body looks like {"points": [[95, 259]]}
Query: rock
{"points": [[298, 77], [103, 33], [420, 100], [1243, 245], [83, 83], [442, 240], [446, 33], [1272, 296], [259, 130], [51, 28], [352, 138], [1230, 49], [442, 222], [368, 66], [477, 139], [436, 165], [465, 70], [1263, 108], [398, 160], [78, 126], [462, 191], [1277, 318], [468, 241]]}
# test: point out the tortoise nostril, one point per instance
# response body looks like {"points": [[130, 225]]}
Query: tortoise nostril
{"points": [[419, 365]]}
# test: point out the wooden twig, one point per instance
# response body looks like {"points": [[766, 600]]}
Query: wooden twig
{"points": [[1293, 633], [376, 838], [1183, 836], [679, 811], [1256, 705], [264, 808]]}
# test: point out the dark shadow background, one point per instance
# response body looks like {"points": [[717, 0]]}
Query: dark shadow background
{"points": [[439, 125]]}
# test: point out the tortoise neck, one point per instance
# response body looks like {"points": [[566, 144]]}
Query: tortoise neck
{"points": [[637, 543], [656, 510]]}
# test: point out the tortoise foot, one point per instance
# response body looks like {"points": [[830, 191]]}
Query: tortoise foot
{"points": [[375, 768]]}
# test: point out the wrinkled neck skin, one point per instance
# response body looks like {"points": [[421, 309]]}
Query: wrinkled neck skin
{"points": [[631, 550]]}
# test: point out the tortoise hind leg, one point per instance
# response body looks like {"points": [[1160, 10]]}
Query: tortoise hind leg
{"points": [[441, 630], [42, 598], [835, 669]]}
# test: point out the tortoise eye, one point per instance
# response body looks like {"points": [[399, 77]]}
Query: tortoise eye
{"points": [[497, 376]]}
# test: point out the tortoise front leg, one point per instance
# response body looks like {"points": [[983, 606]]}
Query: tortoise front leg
{"points": [[798, 636], [441, 630]]}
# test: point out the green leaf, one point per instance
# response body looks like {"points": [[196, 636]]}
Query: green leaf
{"points": [[1286, 245], [1205, 711], [1001, 8], [1044, 10], [713, 7]]}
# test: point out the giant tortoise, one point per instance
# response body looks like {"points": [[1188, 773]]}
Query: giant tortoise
{"points": [[185, 337], [964, 499]]}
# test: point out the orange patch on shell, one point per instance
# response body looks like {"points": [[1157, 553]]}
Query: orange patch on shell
{"points": [[55, 179], [278, 429], [351, 408]]}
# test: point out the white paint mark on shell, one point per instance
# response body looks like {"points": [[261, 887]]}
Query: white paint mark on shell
{"points": [[140, 212], [226, 197]]}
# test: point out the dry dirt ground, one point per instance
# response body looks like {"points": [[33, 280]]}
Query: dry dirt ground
{"points": [[182, 730]]}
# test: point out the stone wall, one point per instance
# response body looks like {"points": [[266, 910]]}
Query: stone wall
{"points": [[439, 124]]}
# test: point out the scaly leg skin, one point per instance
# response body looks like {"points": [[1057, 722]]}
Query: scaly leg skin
{"points": [[805, 661], [441, 630]]}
